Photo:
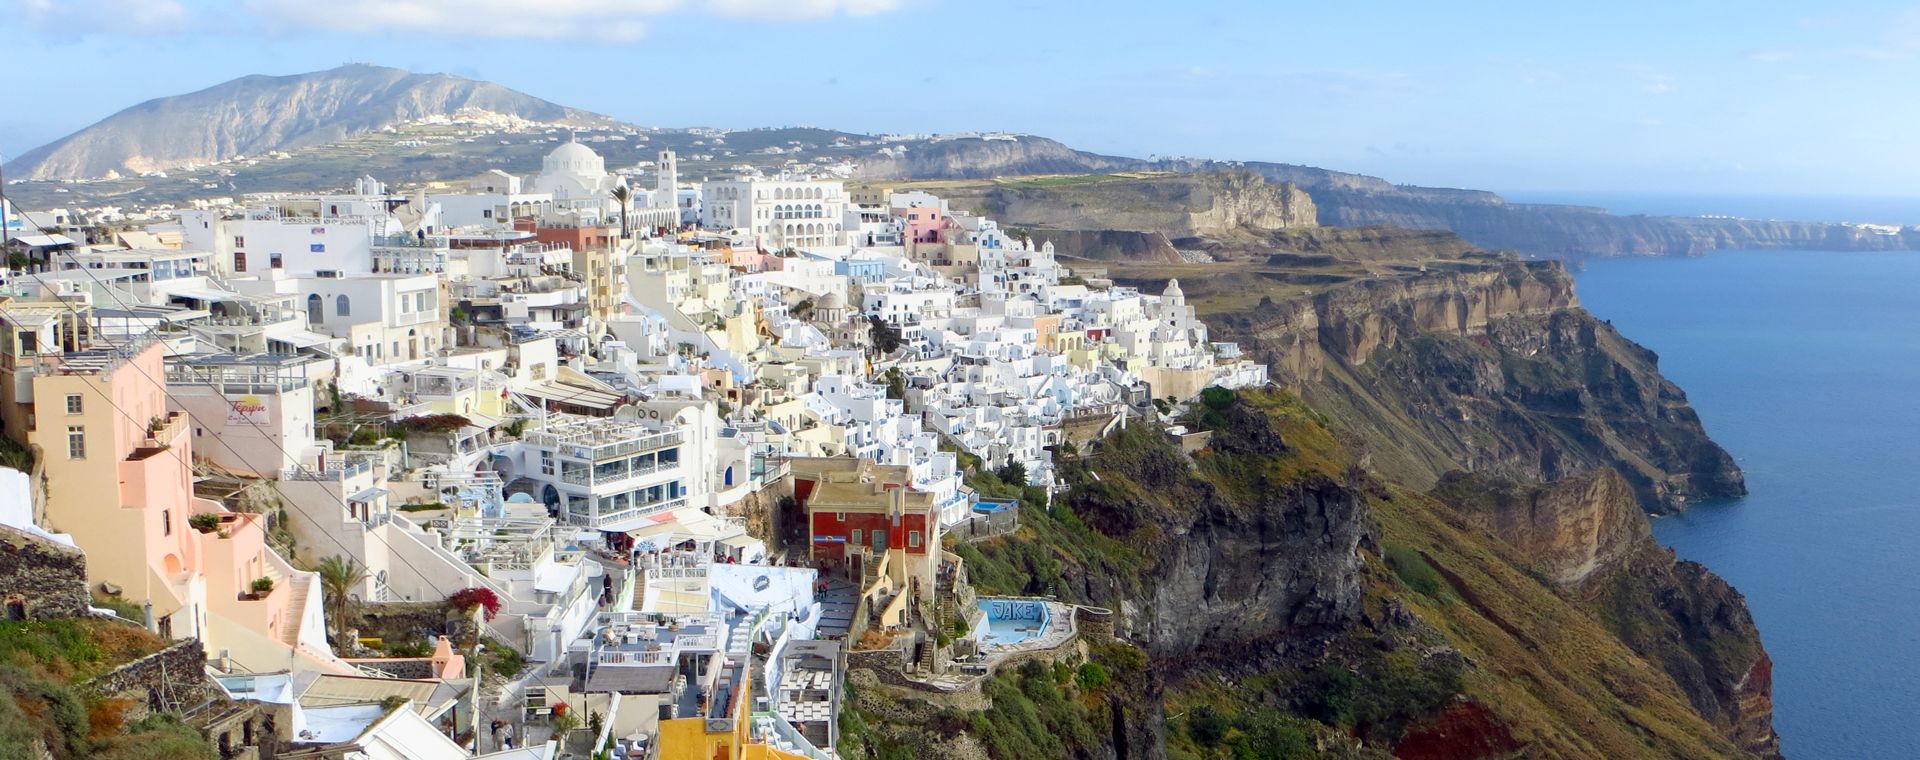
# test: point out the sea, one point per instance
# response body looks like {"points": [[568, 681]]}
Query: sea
{"points": [[1806, 366]]}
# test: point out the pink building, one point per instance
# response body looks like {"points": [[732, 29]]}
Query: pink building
{"points": [[120, 482]]}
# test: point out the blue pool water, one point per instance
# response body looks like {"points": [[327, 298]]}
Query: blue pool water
{"points": [[1011, 621], [1805, 366]]}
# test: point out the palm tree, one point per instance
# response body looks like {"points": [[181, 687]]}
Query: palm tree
{"points": [[624, 196], [340, 577]]}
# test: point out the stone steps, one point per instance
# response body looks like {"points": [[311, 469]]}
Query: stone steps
{"points": [[296, 610]]}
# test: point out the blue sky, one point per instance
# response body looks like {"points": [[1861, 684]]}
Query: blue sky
{"points": [[1686, 97]]}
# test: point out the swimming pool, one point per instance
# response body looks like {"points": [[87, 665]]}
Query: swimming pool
{"points": [[1012, 621]]}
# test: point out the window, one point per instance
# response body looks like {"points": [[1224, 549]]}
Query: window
{"points": [[166, 522], [239, 241], [273, 260], [913, 538], [239, 261], [856, 537], [317, 248], [76, 442], [73, 403], [341, 306]]}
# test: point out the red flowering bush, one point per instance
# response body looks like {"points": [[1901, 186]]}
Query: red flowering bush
{"points": [[466, 599]]}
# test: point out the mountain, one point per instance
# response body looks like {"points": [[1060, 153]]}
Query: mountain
{"points": [[256, 114]]}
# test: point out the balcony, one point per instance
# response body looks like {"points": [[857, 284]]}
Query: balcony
{"points": [[334, 469], [609, 518], [590, 441], [602, 475]]}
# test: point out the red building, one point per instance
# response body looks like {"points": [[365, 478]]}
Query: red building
{"points": [[858, 512]]}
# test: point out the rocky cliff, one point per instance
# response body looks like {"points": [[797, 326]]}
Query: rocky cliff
{"points": [[1225, 204], [256, 114], [1273, 597], [1487, 364], [1586, 533], [1577, 231]]}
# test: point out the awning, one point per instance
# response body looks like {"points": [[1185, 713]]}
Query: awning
{"points": [[562, 393], [42, 241], [206, 294], [367, 496], [304, 339]]}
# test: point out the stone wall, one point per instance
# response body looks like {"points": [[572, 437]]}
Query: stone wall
{"points": [[1094, 622], [402, 621], [174, 678], [978, 526], [40, 578]]}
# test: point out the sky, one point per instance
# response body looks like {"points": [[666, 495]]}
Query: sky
{"points": [[1665, 97]]}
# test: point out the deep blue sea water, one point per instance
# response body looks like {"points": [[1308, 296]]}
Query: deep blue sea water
{"points": [[1806, 366]]}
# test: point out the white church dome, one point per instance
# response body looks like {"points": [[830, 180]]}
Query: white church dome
{"points": [[574, 159]]}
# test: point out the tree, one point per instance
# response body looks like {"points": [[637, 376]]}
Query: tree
{"points": [[1012, 473], [896, 384], [624, 197], [886, 337], [339, 578]]}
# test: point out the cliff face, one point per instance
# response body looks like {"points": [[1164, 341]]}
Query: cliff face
{"points": [[1224, 204], [1574, 231], [1588, 535], [1487, 365], [1570, 529], [256, 114], [1270, 593]]}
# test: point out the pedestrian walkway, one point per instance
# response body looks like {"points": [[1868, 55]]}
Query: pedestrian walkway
{"points": [[838, 603]]}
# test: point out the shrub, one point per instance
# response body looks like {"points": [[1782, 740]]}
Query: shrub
{"points": [[505, 660], [1412, 569], [205, 522], [467, 599], [1091, 676], [262, 585], [1207, 726]]}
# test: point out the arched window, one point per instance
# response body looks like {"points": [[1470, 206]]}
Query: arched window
{"points": [[341, 306]]}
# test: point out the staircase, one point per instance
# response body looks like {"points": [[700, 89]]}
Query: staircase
{"points": [[926, 656], [945, 612], [296, 610]]}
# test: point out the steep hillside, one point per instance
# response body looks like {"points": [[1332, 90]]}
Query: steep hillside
{"points": [[256, 114], [1485, 364], [1223, 203], [1276, 601]]}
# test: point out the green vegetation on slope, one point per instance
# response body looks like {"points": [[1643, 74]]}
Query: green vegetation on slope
{"points": [[41, 663]]}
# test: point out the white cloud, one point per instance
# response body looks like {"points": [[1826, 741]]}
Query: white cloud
{"points": [[600, 20], [80, 17]]}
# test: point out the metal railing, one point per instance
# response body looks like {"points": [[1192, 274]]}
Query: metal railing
{"points": [[333, 469], [582, 477], [597, 520]]}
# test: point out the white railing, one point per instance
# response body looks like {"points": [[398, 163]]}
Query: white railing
{"points": [[623, 657], [597, 520]]}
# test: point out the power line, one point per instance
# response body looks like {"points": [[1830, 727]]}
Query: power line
{"points": [[300, 467]]}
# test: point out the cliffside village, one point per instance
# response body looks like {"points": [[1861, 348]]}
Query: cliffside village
{"points": [[560, 465]]}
